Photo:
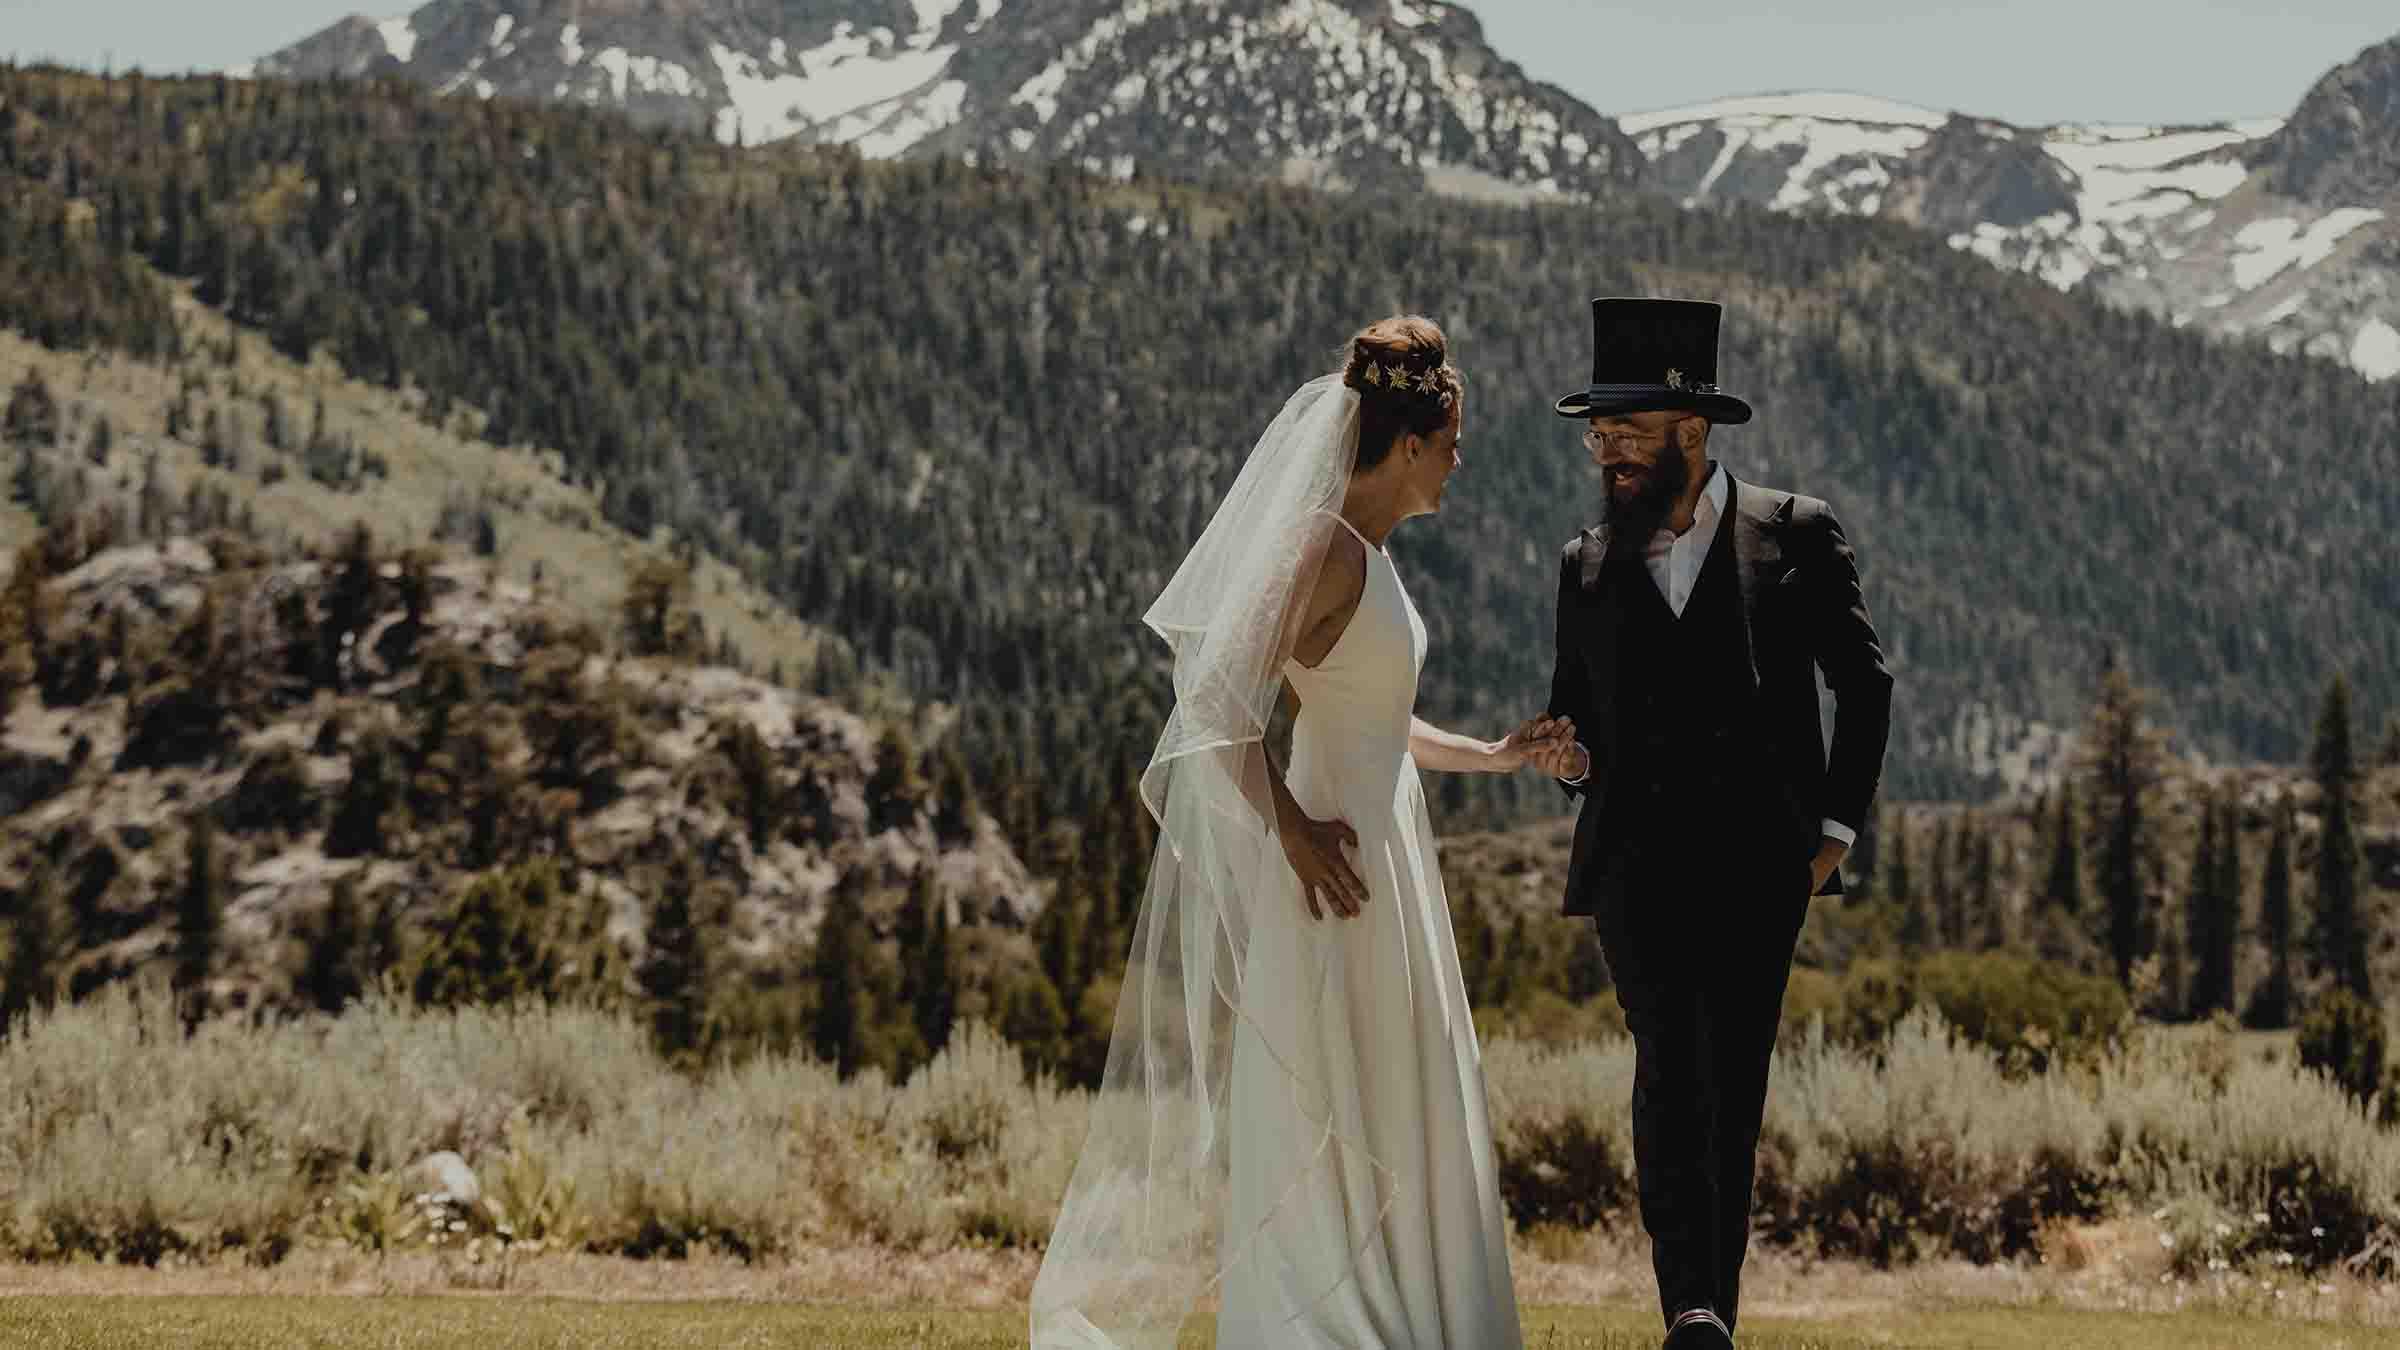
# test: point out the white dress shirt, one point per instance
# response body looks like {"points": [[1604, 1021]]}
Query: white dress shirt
{"points": [[1674, 561]]}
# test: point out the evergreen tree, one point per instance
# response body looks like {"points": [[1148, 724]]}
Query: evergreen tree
{"points": [[657, 615], [1990, 905], [35, 951], [384, 946], [2342, 939], [2391, 739], [935, 1007], [330, 976], [30, 420], [371, 800], [1900, 886], [1949, 900], [1033, 1020], [2064, 888], [1918, 932], [1520, 971], [2271, 1005], [838, 1033], [498, 945], [199, 915], [896, 787], [673, 974], [2122, 755], [2211, 917], [1055, 936]]}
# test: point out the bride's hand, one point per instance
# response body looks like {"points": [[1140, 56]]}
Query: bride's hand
{"points": [[1314, 848]]}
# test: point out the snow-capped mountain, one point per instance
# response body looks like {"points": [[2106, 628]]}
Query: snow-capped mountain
{"points": [[1342, 91], [2283, 230]]}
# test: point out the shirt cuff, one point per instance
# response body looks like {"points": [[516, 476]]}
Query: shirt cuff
{"points": [[1579, 779], [1834, 829]]}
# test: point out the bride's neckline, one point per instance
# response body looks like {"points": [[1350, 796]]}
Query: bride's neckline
{"points": [[1372, 547]]}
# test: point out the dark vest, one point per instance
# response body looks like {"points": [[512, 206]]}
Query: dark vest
{"points": [[1684, 705]]}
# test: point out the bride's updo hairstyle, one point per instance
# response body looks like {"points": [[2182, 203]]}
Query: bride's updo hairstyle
{"points": [[1401, 369]]}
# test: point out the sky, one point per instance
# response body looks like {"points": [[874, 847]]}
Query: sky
{"points": [[2026, 61]]}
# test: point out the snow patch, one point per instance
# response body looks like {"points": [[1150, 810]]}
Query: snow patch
{"points": [[399, 38], [1821, 106], [2375, 353], [645, 74], [931, 15], [916, 120], [2284, 309], [849, 77], [570, 44], [501, 28], [2269, 246]]}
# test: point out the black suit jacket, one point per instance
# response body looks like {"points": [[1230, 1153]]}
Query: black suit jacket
{"points": [[1802, 612]]}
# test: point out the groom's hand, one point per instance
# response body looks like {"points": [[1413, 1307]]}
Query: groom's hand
{"points": [[1830, 852], [1539, 741], [1552, 748]]}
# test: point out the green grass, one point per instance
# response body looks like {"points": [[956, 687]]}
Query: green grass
{"points": [[338, 1323]]}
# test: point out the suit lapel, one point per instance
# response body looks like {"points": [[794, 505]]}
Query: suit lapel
{"points": [[1755, 518]]}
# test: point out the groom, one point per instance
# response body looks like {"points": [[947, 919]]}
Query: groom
{"points": [[1691, 622]]}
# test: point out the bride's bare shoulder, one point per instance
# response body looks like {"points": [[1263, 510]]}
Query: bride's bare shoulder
{"points": [[1333, 599]]}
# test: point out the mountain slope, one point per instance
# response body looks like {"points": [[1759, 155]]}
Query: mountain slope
{"points": [[969, 418], [1358, 90], [2281, 231], [2285, 231]]}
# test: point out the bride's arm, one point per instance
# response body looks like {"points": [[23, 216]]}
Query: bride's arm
{"points": [[1314, 847], [1449, 752]]}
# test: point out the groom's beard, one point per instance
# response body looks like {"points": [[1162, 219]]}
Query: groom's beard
{"points": [[1633, 520]]}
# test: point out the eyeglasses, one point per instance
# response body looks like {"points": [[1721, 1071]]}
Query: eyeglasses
{"points": [[1626, 442]]}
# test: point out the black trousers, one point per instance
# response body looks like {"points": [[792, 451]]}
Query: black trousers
{"points": [[1700, 962]]}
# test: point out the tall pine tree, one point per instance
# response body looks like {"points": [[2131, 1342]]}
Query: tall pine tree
{"points": [[331, 975], [935, 1005], [199, 915], [1949, 901], [673, 973], [1985, 892], [2342, 939], [838, 1031], [35, 938], [2210, 916], [2271, 1006], [2121, 754], [2064, 887]]}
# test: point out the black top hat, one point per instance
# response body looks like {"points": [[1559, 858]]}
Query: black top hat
{"points": [[1649, 355]]}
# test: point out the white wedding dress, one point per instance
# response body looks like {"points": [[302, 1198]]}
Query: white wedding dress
{"points": [[1376, 1001], [1291, 1119]]}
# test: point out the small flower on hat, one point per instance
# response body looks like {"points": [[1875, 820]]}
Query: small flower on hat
{"points": [[1426, 383], [1674, 378], [1373, 375], [1396, 377]]}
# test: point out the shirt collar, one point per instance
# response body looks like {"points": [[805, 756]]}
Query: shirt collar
{"points": [[1704, 512], [1712, 497]]}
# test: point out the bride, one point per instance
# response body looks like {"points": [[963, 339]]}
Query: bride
{"points": [[1292, 1114]]}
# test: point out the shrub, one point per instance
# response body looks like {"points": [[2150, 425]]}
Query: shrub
{"points": [[2342, 1037]]}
